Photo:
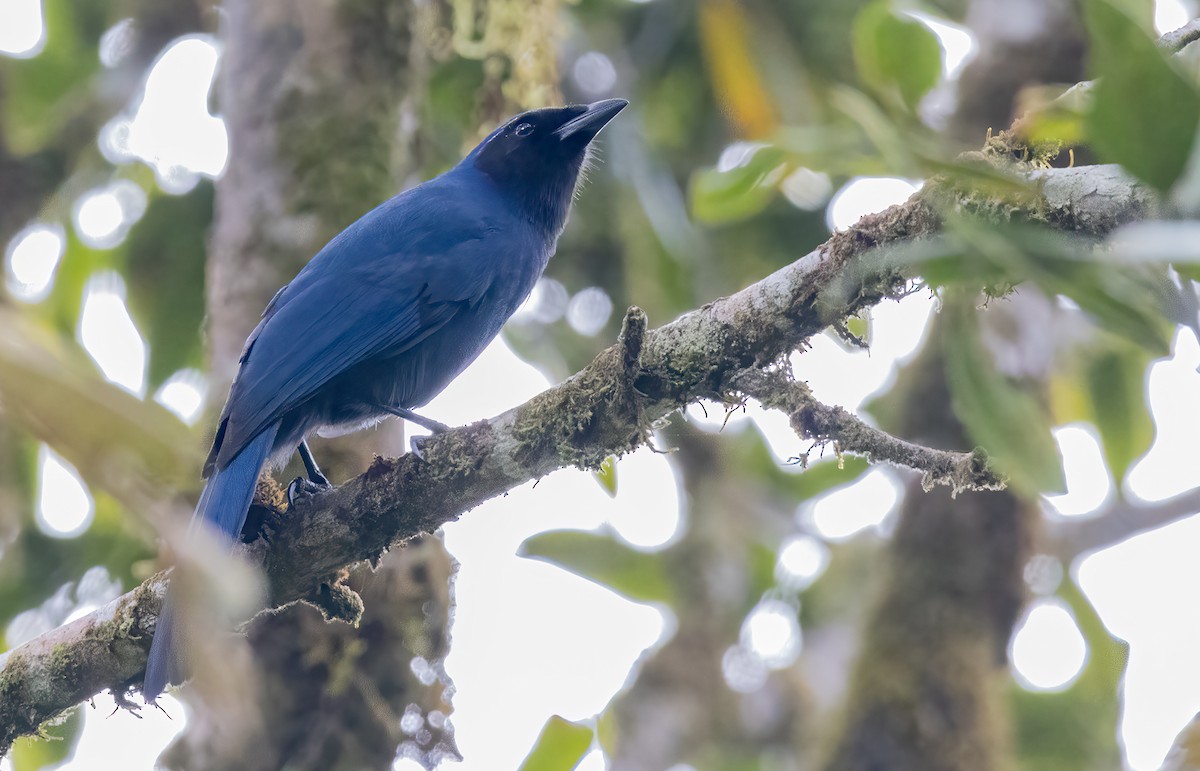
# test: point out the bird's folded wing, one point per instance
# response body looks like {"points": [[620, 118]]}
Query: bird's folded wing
{"points": [[333, 324]]}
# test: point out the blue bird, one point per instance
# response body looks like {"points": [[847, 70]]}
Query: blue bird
{"points": [[388, 313]]}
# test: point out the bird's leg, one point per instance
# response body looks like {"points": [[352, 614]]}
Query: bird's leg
{"points": [[310, 465], [416, 442], [316, 482], [434, 426]]}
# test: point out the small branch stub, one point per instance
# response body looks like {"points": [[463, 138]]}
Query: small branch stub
{"points": [[633, 334]]}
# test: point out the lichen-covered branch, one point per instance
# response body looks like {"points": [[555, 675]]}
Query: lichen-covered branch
{"points": [[1178, 39], [825, 424], [105, 649], [607, 408]]}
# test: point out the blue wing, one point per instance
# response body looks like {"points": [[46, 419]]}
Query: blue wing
{"points": [[348, 307]]}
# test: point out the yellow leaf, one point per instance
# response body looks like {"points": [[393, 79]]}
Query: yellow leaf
{"points": [[725, 37]]}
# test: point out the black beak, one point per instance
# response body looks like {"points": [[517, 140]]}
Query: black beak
{"points": [[588, 125]]}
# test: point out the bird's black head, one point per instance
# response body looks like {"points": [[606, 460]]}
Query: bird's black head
{"points": [[537, 156]]}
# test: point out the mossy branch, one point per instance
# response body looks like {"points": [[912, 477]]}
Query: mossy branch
{"points": [[607, 408], [824, 424]]}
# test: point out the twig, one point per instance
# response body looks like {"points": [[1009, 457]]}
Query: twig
{"points": [[1178, 39], [1070, 537], [823, 424]]}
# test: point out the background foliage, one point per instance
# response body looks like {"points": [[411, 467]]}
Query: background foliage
{"points": [[746, 117]]}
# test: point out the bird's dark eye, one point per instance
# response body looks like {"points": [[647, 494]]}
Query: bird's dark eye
{"points": [[523, 130]]}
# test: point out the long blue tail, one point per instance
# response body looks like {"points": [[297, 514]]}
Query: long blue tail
{"points": [[223, 505]]}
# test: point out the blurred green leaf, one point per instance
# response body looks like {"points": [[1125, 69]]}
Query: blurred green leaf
{"points": [[896, 52], [760, 567], [1116, 378], [603, 559], [837, 148], [1123, 302], [949, 261], [1004, 420], [1105, 384], [1144, 113], [165, 272], [1127, 299], [1075, 729], [895, 145], [983, 179], [114, 439], [607, 475], [740, 192], [43, 93], [560, 746], [1051, 115], [58, 744], [1140, 12], [608, 731]]}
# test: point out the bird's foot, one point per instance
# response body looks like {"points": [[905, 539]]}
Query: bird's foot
{"points": [[121, 700], [301, 488]]}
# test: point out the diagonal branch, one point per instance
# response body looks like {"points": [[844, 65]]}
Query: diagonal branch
{"points": [[607, 408], [1178, 39], [1070, 537], [823, 424]]}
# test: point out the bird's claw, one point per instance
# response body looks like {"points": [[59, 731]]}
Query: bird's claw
{"points": [[301, 488], [121, 701]]}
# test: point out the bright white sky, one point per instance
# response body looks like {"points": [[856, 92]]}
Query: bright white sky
{"points": [[554, 642]]}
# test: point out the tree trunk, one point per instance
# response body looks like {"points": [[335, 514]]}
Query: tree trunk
{"points": [[318, 100], [681, 708], [930, 684], [929, 688]]}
